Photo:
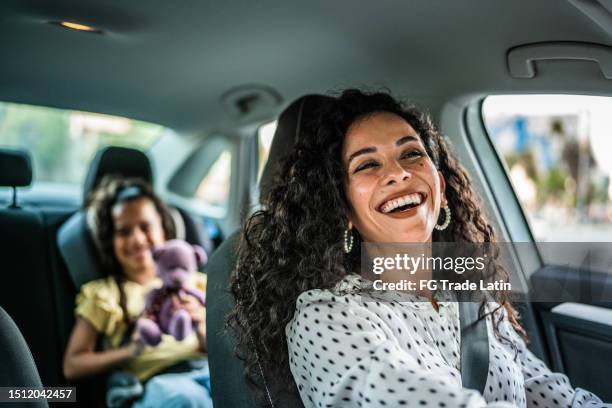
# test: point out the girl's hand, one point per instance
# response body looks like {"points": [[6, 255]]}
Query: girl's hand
{"points": [[136, 345], [197, 311]]}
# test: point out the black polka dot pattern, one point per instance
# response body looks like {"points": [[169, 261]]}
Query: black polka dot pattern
{"points": [[359, 351]]}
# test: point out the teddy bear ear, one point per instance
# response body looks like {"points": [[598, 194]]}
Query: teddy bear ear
{"points": [[158, 252], [200, 254]]}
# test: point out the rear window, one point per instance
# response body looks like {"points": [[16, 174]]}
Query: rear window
{"points": [[63, 142], [558, 153]]}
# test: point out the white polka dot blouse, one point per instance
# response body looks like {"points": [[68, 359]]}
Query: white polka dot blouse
{"points": [[360, 350]]}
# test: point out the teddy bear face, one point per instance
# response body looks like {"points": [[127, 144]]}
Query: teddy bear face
{"points": [[176, 260]]}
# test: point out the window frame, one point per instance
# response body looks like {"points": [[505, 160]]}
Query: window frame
{"points": [[185, 181], [483, 162]]}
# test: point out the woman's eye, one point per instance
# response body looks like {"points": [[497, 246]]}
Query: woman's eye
{"points": [[410, 154], [366, 165]]}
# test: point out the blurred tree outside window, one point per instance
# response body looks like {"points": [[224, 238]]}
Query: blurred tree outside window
{"points": [[63, 142], [558, 153]]}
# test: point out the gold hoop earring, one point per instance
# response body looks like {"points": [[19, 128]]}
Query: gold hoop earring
{"points": [[348, 241], [447, 219]]}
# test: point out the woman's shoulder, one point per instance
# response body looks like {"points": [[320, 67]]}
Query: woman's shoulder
{"points": [[343, 291], [348, 301]]}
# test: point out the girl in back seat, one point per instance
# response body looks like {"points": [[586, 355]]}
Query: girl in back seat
{"points": [[130, 220]]}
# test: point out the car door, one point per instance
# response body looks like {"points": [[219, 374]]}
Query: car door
{"points": [[545, 159]]}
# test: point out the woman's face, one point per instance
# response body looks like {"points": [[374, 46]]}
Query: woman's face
{"points": [[393, 187], [138, 228]]}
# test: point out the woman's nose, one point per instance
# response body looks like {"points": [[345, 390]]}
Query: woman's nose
{"points": [[395, 173]]}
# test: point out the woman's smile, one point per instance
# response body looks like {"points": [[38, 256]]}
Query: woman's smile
{"points": [[402, 203]]}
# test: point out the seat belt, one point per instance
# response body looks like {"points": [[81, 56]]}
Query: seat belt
{"points": [[474, 347]]}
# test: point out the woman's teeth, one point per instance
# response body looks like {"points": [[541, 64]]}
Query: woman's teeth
{"points": [[410, 200]]}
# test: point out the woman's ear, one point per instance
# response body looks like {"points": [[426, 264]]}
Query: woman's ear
{"points": [[443, 199]]}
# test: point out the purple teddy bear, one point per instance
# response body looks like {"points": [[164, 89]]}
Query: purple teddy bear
{"points": [[176, 261]]}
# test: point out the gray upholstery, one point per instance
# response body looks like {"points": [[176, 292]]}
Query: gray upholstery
{"points": [[227, 372], [77, 247], [117, 160], [17, 368], [15, 168], [230, 388]]}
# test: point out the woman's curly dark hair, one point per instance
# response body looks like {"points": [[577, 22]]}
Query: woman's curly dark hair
{"points": [[295, 243], [100, 203]]}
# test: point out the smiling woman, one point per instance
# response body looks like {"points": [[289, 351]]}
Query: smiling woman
{"points": [[368, 169], [391, 178]]}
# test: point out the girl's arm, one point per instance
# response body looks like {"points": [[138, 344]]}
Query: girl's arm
{"points": [[80, 359]]}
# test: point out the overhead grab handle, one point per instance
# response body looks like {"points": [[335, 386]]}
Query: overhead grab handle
{"points": [[522, 59]]}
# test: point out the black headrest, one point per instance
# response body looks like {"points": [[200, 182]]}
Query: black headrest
{"points": [[289, 127], [122, 161], [15, 168]]}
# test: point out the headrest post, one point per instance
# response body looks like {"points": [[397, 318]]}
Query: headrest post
{"points": [[14, 203]]}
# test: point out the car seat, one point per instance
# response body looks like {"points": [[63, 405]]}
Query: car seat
{"points": [[17, 366], [76, 236], [229, 385]]}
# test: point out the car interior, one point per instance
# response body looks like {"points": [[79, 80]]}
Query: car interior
{"points": [[225, 87]]}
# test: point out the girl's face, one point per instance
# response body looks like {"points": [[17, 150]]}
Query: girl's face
{"points": [[394, 189], [138, 228]]}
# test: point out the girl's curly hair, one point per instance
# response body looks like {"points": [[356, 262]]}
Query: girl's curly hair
{"points": [[100, 203], [295, 243]]}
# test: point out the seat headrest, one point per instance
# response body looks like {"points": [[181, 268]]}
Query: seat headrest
{"points": [[288, 130], [15, 168], [122, 161]]}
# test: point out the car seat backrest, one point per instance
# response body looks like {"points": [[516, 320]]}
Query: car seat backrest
{"points": [[122, 161], [17, 368], [229, 386], [25, 291], [76, 237]]}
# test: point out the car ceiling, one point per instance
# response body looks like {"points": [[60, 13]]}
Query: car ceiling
{"points": [[172, 62]]}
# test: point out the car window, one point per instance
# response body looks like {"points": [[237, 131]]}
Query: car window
{"points": [[556, 149], [214, 189], [63, 142], [265, 134]]}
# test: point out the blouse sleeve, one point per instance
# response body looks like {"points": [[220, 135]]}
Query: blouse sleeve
{"points": [[93, 303], [542, 386], [341, 354]]}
